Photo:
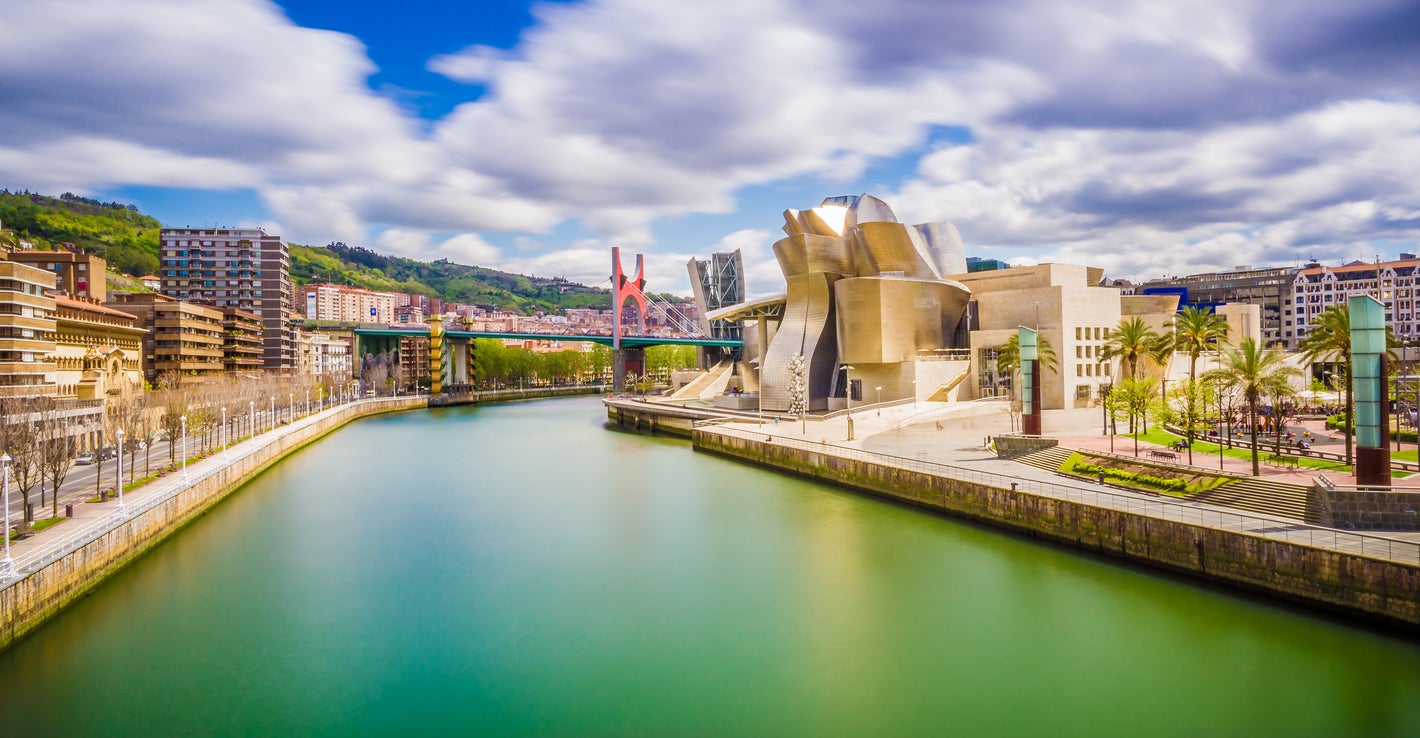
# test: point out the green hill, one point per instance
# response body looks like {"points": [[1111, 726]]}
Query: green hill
{"points": [[128, 240], [360, 267]]}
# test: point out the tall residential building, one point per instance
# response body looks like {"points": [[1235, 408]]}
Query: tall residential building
{"points": [[241, 268], [1269, 288], [75, 272], [1316, 288], [27, 330]]}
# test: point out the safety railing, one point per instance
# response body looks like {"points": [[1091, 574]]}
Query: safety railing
{"points": [[1163, 508], [166, 488]]}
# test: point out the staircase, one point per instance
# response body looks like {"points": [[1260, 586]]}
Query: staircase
{"points": [[703, 383], [1265, 497], [1048, 459], [1249, 494]]}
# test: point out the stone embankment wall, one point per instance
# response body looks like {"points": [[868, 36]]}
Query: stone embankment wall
{"points": [[1377, 589], [508, 395], [1367, 510], [38, 597], [649, 417]]}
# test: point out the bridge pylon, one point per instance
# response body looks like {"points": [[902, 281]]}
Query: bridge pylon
{"points": [[436, 355], [629, 361]]}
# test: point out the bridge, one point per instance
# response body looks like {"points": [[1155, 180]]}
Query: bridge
{"points": [[604, 339], [451, 353]]}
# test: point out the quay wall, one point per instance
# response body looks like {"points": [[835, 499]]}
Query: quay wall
{"points": [[34, 599], [509, 395], [1358, 585], [655, 418]]}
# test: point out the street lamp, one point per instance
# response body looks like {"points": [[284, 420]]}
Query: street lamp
{"points": [[119, 484], [7, 564], [291, 406], [183, 421], [272, 419], [307, 406], [224, 435], [880, 395], [848, 378]]}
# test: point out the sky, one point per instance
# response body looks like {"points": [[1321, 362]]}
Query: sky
{"points": [[1148, 138]]}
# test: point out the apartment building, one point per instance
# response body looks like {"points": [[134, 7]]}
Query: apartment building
{"points": [[27, 330], [1317, 288], [243, 268], [181, 337], [241, 341], [349, 304], [1269, 288], [320, 354], [75, 272]]}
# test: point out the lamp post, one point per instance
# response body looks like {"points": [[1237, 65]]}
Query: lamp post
{"points": [[7, 564], [183, 421], [880, 395], [251, 413], [272, 420], [849, 394], [224, 435], [291, 407], [307, 407], [118, 483]]}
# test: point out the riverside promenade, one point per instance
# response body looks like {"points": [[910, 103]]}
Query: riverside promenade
{"points": [[57, 565], [938, 458]]}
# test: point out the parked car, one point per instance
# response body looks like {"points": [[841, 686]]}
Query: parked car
{"points": [[84, 459], [106, 453]]}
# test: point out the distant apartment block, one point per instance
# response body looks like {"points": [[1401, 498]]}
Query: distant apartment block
{"points": [[75, 272], [319, 354], [242, 268], [348, 304], [1317, 288], [1269, 288]]}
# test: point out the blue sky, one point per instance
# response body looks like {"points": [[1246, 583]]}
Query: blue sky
{"points": [[1143, 137]]}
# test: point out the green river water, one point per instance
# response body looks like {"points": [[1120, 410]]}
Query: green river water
{"points": [[521, 570]]}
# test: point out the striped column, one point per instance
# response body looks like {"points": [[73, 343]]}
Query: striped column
{"points": [[436, 355]]}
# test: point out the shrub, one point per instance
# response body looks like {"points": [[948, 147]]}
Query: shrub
{"points": [[1128, 477]]}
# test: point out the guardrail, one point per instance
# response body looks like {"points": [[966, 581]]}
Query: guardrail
{"points": [[1161, 508], [157, 492]]}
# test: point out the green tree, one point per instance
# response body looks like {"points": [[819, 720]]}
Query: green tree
{"points": [[1131, 341], [1196, 330], [1254, 373], [1136, 395]]}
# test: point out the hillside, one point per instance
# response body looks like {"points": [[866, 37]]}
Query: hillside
{"points": [[360, 267], [124, 237], [128, 240]]}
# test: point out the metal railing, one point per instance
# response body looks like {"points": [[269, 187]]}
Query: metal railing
{"points": [[1162, 508], [166, 488]]}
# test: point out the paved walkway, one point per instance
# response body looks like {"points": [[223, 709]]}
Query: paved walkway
{"points": [[911, 435], [92, 519]]}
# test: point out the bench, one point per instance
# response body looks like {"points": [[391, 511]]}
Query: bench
{"points": [[1162, 454]]}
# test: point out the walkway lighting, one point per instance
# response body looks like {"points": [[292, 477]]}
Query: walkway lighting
{"points": [[119, 485], [7, 564], [183, 421]]}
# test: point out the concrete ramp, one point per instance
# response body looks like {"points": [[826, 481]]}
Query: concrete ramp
{"points": [[706, 386]]}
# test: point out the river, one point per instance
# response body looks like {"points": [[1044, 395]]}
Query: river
{"points": [[521, 570]]}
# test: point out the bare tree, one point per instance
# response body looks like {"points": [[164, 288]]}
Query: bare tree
{"points": [[57, 453], [25, 447]]}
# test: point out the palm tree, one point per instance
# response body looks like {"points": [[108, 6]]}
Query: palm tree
{"points": [[1329, 339], [1129, 342], [1255, 373], [1195, 330], [1008, 355]]}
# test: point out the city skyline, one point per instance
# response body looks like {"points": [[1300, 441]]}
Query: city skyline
{"points": [[1146, 140]]}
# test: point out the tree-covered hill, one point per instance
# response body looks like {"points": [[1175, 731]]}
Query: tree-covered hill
{"points": [[360, 267], [124, 237], [128, 240]]}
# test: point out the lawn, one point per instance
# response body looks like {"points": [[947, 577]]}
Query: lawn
{"points": [[1145, 477], [1203, 449]]}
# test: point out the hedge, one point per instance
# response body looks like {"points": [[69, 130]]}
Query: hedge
{"points": [[1128, 477]]}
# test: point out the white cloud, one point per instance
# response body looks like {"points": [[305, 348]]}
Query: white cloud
{"points": [[1136, 135]]}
